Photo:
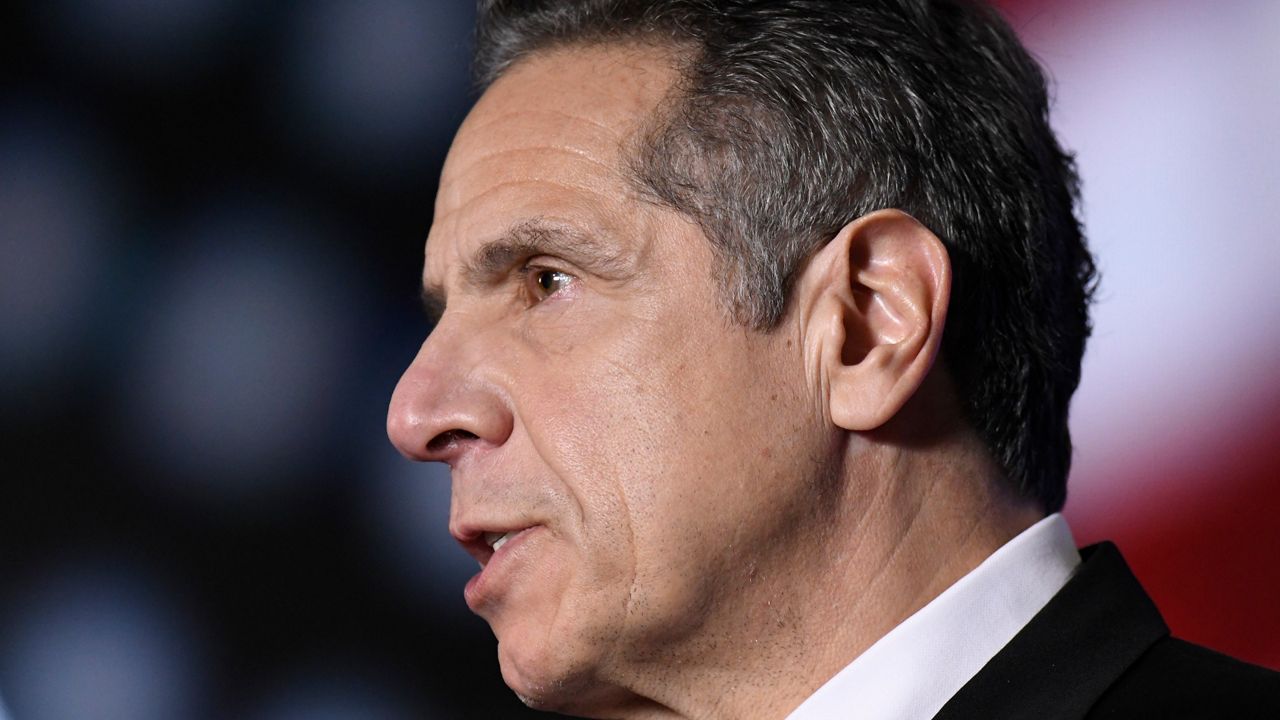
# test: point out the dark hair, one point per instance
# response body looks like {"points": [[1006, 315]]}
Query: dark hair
{"points": [[795, 117]]}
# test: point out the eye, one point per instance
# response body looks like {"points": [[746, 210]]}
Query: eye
{"points": [[545, 282]]}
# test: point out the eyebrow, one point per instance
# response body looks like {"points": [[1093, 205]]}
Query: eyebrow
{"points": [[538, 236]]}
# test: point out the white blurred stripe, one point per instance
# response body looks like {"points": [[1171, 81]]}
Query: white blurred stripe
{"points": [[1173, 109]]}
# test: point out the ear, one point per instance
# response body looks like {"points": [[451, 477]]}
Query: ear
{"points": [[876, 298]]}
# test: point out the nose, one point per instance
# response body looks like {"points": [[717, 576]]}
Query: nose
{"points": [[444, 408]]}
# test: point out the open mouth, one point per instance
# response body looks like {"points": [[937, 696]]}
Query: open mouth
{"points": [[483, 545], [495, 541]]}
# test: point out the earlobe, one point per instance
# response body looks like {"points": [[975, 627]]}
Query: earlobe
{"points": [[879, 296]]}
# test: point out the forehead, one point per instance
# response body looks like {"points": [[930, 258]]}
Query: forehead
{"points": [[545, 141]]}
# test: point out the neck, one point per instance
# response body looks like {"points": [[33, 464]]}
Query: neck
{"points": [[897, 533]]}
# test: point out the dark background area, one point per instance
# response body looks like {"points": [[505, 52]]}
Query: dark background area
{"points": [[214, 215], [211, 225]]}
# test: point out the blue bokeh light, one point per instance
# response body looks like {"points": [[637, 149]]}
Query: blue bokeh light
{"points": [[408, 526], [101, 640], [236, 380], [56, 216], [143, 39], [338, 690], [376, 85]]}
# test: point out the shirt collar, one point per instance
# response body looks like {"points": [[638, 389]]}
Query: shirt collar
{"points": [[913, 670]]}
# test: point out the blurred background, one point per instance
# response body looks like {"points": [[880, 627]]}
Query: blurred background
{"points": [[211, 226]]}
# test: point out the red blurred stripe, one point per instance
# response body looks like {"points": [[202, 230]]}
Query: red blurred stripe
{"points": [[1213, 565]]}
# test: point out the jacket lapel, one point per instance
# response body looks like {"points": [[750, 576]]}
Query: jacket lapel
{"points": [[1071, 651]]}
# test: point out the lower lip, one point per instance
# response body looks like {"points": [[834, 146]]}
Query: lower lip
{"points": [[482, 588]]}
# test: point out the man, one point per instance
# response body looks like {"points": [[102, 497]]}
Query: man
{"points": [[757, 328]]}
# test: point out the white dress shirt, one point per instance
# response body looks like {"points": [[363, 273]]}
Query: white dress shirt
{"points": [[911, 672]]}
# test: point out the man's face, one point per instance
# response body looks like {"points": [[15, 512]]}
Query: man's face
{"points": [[638, 448]]}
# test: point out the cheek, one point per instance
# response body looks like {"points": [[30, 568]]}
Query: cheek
{"points": [[601, 414], [580, 410], [591, 394], [670, 438]]}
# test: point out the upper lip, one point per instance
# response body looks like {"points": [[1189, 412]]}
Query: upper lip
{"points": [[472, 538]]}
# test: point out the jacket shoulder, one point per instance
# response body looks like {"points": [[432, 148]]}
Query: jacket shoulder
{"points": [[1176, 679]]}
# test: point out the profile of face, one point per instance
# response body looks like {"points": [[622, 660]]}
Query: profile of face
{"points": [[626, 459]]}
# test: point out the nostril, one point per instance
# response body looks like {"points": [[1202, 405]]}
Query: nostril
{"points": [[448, 440]]}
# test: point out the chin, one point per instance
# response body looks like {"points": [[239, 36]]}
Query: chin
{"points": [[543, 677], [553, 677]]}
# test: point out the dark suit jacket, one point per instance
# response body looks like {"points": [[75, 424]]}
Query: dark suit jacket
{"points": [[1100, 649]]}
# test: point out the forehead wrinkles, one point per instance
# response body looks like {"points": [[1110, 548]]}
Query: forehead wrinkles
{"points": [[583, 100], [552, 129], [556, 169], [547, 171], [529, 169], [611, 85], [517, 129]]}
